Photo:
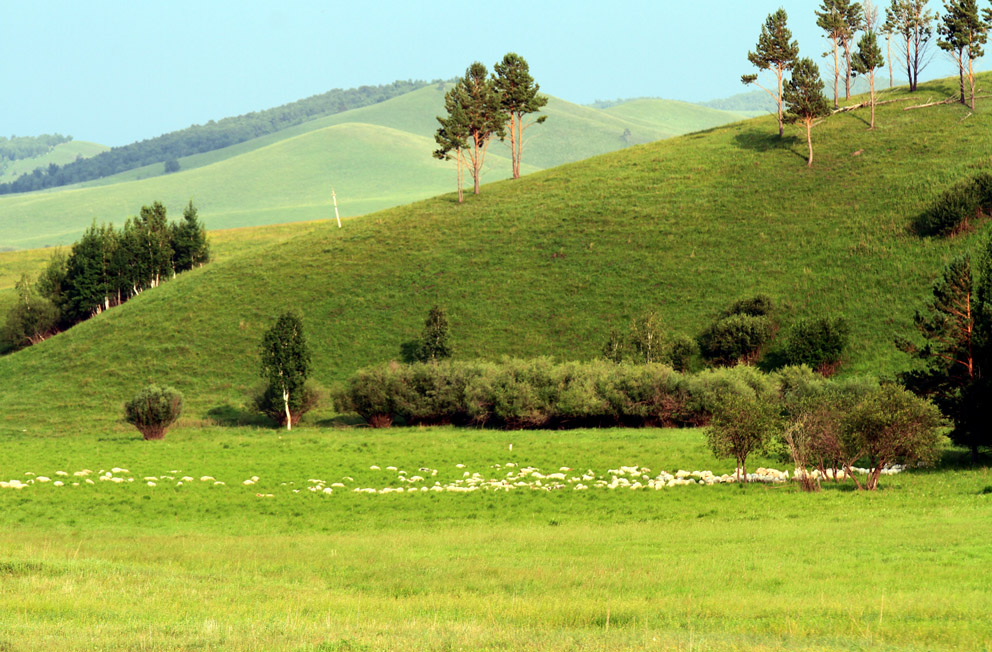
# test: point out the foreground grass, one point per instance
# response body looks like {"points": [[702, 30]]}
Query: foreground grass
{"points": [[128, 566]]}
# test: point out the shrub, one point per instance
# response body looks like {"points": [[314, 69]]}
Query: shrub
{"points": [[818, 343], [708, 389], [679, 353], [760, 305], [950, 212], [153, 410], [268, 400], [734, 339]]}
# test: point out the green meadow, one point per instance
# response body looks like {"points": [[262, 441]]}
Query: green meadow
{"points": [[60, 155], [123, 566]]}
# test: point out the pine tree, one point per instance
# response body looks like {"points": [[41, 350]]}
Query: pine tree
{"points": [[869, 58], [435, 341], [830, 18], [189, 241], [484, 116], [84, 289], [963, 33], [285, 360], [852, 19], [453, 134], [805, 100], [518, 96], [777, 52]]}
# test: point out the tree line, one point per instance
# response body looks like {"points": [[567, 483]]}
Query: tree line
{"points": [[103, 269], [205, 138], [21, 147], [962, 31], [481, 107]]}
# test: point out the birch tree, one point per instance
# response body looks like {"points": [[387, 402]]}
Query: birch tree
{"points": [[518, 97], [776, 52], [912, 23], [286, 362]]}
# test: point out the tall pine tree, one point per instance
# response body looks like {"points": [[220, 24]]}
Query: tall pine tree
{"points": [[776, 51], [518, 96], [869, 58], [963, 33], [452, 136]]}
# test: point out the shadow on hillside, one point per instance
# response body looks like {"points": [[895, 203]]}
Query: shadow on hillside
{"points": [[231, 417], [759, 140], [340, 421]]}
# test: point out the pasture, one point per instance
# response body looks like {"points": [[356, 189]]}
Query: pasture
{"points": [[272, 565]]}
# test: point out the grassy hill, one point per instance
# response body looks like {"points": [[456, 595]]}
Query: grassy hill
{"points": [[545, 264], [375, 157], [60, 155]]}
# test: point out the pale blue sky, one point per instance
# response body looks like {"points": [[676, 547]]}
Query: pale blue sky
{"points": [[113, 71]]}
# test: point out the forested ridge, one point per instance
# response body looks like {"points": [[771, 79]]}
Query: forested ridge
{"points": [[198, 139]]}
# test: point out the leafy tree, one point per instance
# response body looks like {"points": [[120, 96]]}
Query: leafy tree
{"points": [[171, 165], [155, 239], [31, 319], [153, 410], [818, 343], [615, 346], [484, 116], [646, 338], [435, 339], [743, 423], [866, 61], [890, 426], [830, 18], [777, 52], [51, 281], [453, 134], [518, 97], [804, 99], [913, 23], [84, 290], [189, 241], [963, 33], [285, 362]]}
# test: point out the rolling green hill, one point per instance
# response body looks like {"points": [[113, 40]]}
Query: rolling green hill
{"points": [[374, 157], [545, 264], [60, 155]]}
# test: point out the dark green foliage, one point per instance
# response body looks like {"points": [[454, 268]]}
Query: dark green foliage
{"points": [[30, 320], [950, 213], [734, 339], [891, 425], [171, 165], [760, 305], [484, 116], [211, 136], [189, 241], [962, 33], [616, 346], [84, 288], [453, 134], [21, 147], [285, 363], [804, 99], [153, 410], [434, 343], [267, 399], [817, 342], [680, 351], [52, 280]]}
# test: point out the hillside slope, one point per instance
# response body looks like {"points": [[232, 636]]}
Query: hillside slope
{"points": [[60, 155], [240, 186], [545, 264]]}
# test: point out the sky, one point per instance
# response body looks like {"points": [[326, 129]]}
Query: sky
{"points": [[114, 72]]}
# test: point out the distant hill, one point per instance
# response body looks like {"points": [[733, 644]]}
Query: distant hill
{"points": [[59, 155], [540, 265], [374, 157], [757, 102]]}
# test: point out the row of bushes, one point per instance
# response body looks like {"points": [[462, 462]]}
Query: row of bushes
{"points": [[951, 212], [541, 393]]}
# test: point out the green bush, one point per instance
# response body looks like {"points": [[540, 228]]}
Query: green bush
{"points": [[950, 212], [268, 400], [680, 351], [735, 339], [760, 305], [818, 342], [153, 410]]}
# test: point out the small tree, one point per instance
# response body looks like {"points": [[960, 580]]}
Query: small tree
{"points": [[647, 338], [435, 341], [891, 425], [615, 346], [518, 96], [452, 136], [777, 52], [804, 98], [153, 410], [817, 342], [285, 361], [189, 241], [31, 319], [869, 58], [742, 424]]}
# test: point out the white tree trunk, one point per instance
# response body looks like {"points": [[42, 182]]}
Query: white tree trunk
{"points": [[285, 400]]}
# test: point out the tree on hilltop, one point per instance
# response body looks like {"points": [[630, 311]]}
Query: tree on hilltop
{"points": [[830, 18], [805, 100], [962, 34], [518, 96], [485, 117], [453, 134], [869, 58], [852, 19], [189, 241], [913, 23], [776, 52]]}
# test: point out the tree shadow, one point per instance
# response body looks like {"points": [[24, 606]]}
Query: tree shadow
{"points": [[757, 140], [231, 417], [342, 421]]}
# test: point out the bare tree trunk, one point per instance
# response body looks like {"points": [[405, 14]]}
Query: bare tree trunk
{"points": [[909, 67], [847, 70], [971, 79], [459, 162], [961, 73], [285, 400], [476, 164], [781, 127], [836, 72], [871, 83], [888, 39], [809, 141]]}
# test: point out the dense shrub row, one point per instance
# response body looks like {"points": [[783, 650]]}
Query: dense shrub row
{"points": [[951, 211], [541, 393]]}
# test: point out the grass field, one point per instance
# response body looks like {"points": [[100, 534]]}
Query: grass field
{"points": [[374, 157], [124, 566]]}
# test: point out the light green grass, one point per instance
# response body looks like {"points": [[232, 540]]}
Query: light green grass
{"points": [[375, 157], [127, 566], [673, 117], [60, 155]]}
